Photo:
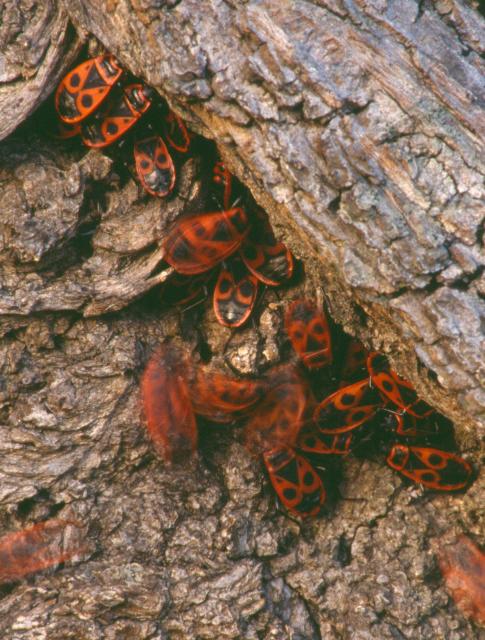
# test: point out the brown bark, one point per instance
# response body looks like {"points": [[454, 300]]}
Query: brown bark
{"points": [[358, 125], [36, 46]]}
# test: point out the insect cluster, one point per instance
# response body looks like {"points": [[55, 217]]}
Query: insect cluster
{"points": [[295, 433], [197, 244], [301, 417], [299, 436], [100, 102]]}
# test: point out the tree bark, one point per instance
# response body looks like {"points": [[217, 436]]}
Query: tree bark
{"points": [[36, 45], [358, 124]]}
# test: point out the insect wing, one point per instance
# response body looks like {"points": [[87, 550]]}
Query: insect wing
{"points": [[196, 244], [271, 264], [267, 258], [220, 397], [234, 294], [84, 88], [313, 443], [296, 482], [355, 359], [347, 408], [66, 131], [433, 468], [124, 112], [406, 425], [170, 419], [279, 418], [154, 166], [395, 388], [307, 328], [180, 289], [175, 132]]}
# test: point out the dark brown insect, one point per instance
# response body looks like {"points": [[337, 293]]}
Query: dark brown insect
{"points": [[175, 132], [180, 289], [265, 257], [355, 359], [223, 180]]}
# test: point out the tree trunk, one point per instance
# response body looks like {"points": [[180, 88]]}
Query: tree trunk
{"points": [[358, 125]]}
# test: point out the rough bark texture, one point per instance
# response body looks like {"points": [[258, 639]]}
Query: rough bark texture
{"points": [[357, 124], [361, 125], [36, 46]]}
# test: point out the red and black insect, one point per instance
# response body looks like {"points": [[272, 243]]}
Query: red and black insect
{"points": [[43, 545], [154, 166], [120, 116], [433, 468], [198, 243], [97, 101], [314, 443], [273, 430], [282, 424], [295, 481], [170, 418], [265, 257], [267, 260], [307, 328], [220, 397], [175, 132], [347, 408], [84, 88], [234, 294], [395, 388], [277, 420]]}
